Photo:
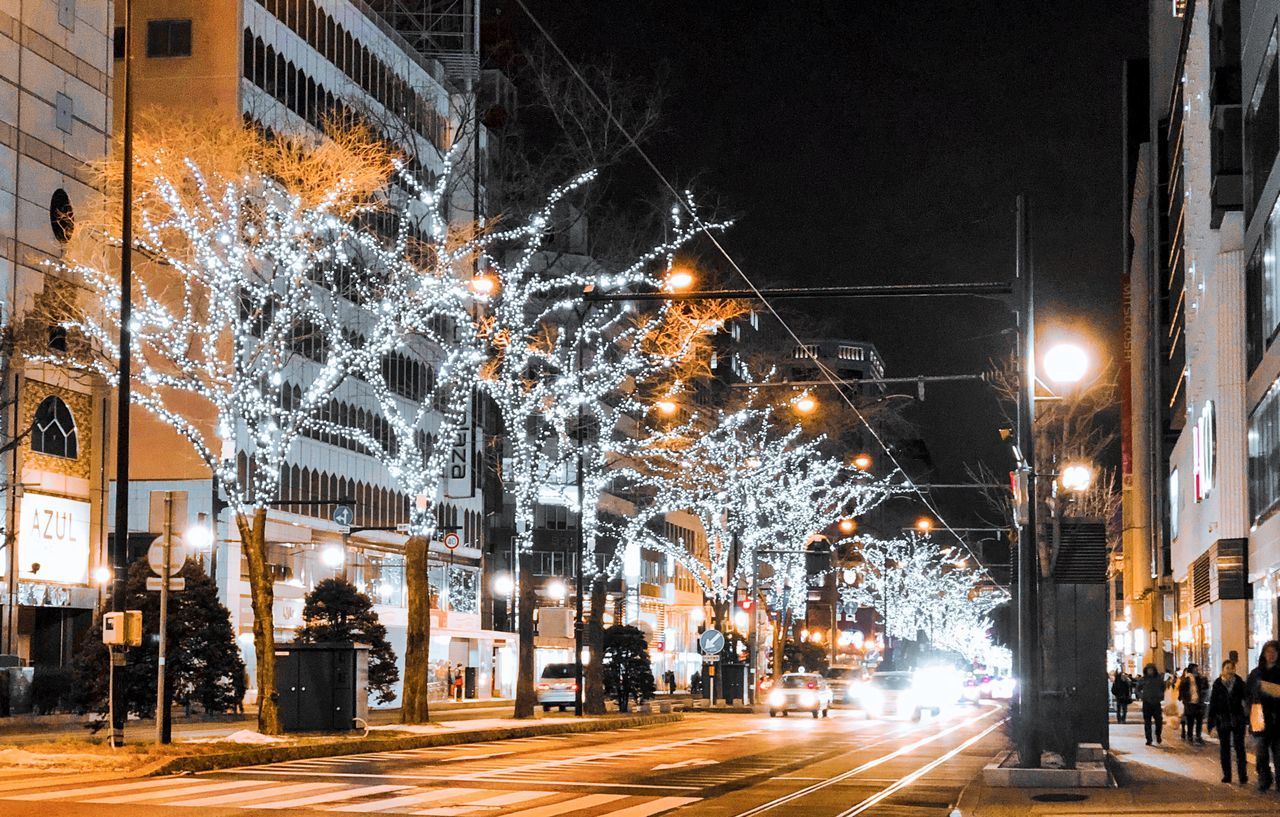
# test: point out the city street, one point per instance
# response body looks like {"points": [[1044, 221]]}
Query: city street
{"points": [[709, 764]]}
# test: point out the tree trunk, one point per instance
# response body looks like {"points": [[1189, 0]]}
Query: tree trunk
{"points": [[593, 699], [417, 651], [526, 694], [253, 539]]}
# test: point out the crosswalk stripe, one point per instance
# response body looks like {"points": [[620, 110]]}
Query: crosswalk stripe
{"points": [[433, 795], [220, 785], [652, 807], [566, 806], [90, 791], [329, 797], [511, 798], [256, 794]]}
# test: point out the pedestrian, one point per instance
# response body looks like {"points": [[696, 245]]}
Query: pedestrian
{"points": [[1152, 698], [1122, 691], [1229, 714], [1192, 691], [459, 682], [1264, 701], [695, 683], [670, 677]]}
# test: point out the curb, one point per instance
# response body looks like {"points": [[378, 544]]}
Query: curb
{"points": [[275, 754]]}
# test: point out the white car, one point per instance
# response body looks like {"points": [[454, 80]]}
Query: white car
{"points": [[844, 681], [800, 692], [894, 694], [557, 686]]}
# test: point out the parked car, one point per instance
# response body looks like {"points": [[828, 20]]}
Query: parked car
{"points": [[844, 682], [557, 686], [800, 692]]}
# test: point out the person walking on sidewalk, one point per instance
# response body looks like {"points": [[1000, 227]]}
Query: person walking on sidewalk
{"points": [[1152, 697], [1192, 691], [1229, 714], [1264, 692], [1122, 691]]}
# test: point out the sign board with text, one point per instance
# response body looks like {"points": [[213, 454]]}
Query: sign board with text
{"points": [[53, 539]]}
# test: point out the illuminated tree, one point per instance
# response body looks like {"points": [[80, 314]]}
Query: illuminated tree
{"points": [[243, 245]]}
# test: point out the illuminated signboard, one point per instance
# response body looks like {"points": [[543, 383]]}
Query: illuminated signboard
{"points": [[1203, 445], [53, 539]]}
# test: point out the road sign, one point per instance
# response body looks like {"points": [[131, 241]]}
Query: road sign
{"points": [[343, 515], [175, 584], [711, 642], [710, 659], [177, 555], [452, 540]]}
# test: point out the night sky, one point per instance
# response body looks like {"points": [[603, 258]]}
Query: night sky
{"points": [[873, 142]]}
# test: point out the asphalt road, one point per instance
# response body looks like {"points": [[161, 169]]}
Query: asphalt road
{"points": [[730, 765]]}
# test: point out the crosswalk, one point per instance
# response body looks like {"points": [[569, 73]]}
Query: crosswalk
{"points": [[360, 798]]}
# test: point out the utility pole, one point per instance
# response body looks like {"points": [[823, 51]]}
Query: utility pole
{"points": [[120, 542], [162, 700], [1028, 567]]}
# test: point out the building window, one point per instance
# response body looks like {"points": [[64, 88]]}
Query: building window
{"points": [[550, 564], [554, 517], [117, 43], [168, 38], [851, 353], [62, 218], [805, 352], [1264, 455], [63, 112], [1262, 126], [53, 430]]}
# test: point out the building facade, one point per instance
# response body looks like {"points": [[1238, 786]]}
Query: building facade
{"points": [[55, 118]]}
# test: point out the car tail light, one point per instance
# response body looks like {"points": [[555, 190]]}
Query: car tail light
{"points": [[573, 687], [543, 687], [812, 685]]}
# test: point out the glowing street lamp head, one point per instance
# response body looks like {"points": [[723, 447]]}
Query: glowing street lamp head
{"points": [[198, 537], [483, 285], [666, 408], [1066, 363], [102, 574], [848, 526], [557, 590], [679, 280], [862, 462], [333, 556], [503, 585], [1076, 477], [924, 524], [805, 404]]}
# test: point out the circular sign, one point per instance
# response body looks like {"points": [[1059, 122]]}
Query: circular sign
{"points": [[711, 642], [177, 555], [343, 515], [452, 540]]}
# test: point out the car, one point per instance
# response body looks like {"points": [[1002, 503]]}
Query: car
{"points": [[895, 694], [800, 692], [844, 682], [557, 686]]}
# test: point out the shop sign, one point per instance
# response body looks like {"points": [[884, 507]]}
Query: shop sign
{"points": [[53, 539], [34, 594], [1203, 453]]}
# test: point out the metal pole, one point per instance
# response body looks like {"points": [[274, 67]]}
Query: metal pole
{"points": [[752, 631], [120, 542], [161, 698], [578, 691], [1028, 568]]}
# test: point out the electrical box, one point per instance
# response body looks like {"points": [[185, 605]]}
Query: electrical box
{"points": [[322, 687], [122, 629]]}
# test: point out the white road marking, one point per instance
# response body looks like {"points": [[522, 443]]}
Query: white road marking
{"points": [[90, 791], [432, 795], [329, 797], [656, 806], [221, 785], [565, 806], [256, 794], [511, 798], [682, 764]]}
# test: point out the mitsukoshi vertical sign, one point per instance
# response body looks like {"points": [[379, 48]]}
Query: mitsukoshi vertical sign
{"points": [[53, 539]]}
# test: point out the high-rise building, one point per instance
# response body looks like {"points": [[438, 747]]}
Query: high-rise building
{"points": [[55, 118]]}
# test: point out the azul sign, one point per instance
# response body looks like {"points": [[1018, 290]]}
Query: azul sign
{"points": [[1203, 452], [53, 539]]}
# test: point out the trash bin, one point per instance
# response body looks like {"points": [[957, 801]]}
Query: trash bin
{"points": [[322, 687], [469, 683]]}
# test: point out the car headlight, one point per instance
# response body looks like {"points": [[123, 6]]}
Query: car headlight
{"points": [[776, 698], [808, 699]]}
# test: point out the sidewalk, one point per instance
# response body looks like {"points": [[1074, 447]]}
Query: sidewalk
{"points": [[1169, 778]]}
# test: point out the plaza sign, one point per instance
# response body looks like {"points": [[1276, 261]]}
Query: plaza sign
{"points": [[53, 539], [1203, 452]]}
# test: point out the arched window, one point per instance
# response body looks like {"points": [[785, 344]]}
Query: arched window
{"points": [[53, 431]]}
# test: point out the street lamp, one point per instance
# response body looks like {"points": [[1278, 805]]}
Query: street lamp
{"points": [[862, 462], [198, 537], [805, 404], [924, 524], [1066, 363], [1076, 477], [848, 526], [666, 407], [556, 590], [483, 285], [503, 584], [678, 280]]}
